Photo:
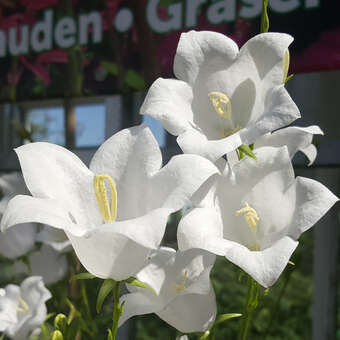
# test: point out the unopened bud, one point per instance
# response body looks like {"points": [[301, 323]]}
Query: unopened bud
{"points": [[60, 323], [57, 335]]}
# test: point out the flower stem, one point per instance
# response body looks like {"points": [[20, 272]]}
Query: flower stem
{"points": [[251, 304], [117, 309]]}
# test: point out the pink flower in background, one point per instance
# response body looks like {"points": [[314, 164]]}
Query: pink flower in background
{"points": [[40, 66]]}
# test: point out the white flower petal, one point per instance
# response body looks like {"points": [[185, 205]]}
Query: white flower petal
{"points": [[17, 241], [47, 263], [193, 141], [295, 138], [279, 111], [196, 49], [169, 101], [137, 304], [119, 250], [39, 210], [190, 312], [176, 182], [267, 52], [62, 176], [313, 200], [56, 238]]}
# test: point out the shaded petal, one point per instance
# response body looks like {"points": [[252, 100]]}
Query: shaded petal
{"points": [[47, 263], [264, 266], [176, 182], [169, 101], [39, 210], [295, 138], [201, 228], [279, 111], [61, 175], [190, 312], [124, 246], [137, 304], [17, 241], [196, 49], [266, 51], [129, 157], [313, 200], [56, 238]]}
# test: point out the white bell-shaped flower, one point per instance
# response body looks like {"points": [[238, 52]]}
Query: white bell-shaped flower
{"points": [[114, 213], [254, 213], [224, 97], [22, 308], [185, 298]]}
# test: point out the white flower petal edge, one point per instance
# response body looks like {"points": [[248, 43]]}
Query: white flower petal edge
{"points": [[265, 192], [64, 197], [248, 82], [296, 138], [23, 309], [185, 297]]}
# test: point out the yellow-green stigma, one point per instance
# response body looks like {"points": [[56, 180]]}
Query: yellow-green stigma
{"points": [[221, 103], [181, 287], [250, 215], [108, 214], [23, 306]]}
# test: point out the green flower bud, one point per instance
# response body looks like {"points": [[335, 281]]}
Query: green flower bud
{"points": [[60, 323], [57, 335]]}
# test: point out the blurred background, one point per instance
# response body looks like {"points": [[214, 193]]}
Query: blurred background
{"points": [[74, 72]]}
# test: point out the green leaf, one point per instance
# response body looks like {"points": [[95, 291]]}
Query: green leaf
{"points": [[246, 150], [224, 317], [106, 288], [264, 17], [82, 276], [112, 68], [135, 80], [135, 282], [2, 337]]}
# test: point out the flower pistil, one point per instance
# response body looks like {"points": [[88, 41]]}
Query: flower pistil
{"points": [[108, 214], [250, 215]]}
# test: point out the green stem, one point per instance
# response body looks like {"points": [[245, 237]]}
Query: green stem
{"points": [[264, 17], [251, 304], [117, 310]]}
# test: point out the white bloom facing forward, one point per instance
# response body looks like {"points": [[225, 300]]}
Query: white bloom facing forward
{"points": [[185, 298], [20, 239], [254, 213], [112, 231], [23, 309], [225, 97]]}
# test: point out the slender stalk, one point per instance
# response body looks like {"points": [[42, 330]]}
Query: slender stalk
{"points": [[117, 310], [264, 17], [251, 304]]}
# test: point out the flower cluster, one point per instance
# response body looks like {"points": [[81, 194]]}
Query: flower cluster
{"points": [[251, 209]]}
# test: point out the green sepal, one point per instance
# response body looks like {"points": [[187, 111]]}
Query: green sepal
{"points": [[264, 17], [109, 335], [224, 317], [245, 149], [57, 335], [135, 282], [288, 78], [82, 276], [106, 288], [205, 335], [291, 263], [266, 291]]}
